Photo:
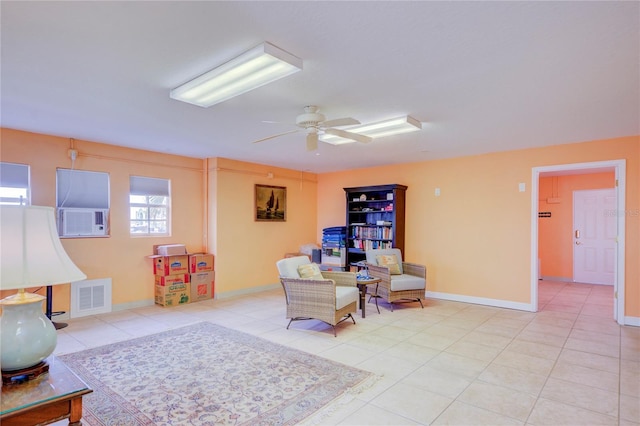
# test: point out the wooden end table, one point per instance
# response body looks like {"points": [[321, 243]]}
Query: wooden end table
{"points": [[52, 396], [362, 286]]}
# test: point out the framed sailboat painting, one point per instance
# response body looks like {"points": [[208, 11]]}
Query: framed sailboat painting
{"points": [[271, 203]]}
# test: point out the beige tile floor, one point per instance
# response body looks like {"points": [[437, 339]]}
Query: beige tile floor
{"points": [[449, 363]]}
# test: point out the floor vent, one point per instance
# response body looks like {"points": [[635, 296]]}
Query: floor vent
{"points": [[90, 297]]}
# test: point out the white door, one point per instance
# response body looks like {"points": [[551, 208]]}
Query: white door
{"points": [[594, 236]]}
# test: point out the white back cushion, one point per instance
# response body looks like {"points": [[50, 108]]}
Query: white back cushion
{"points": [[288, 268], [371, 255]]}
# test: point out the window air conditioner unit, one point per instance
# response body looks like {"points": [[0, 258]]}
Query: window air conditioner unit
{"points": [[74, 222]]}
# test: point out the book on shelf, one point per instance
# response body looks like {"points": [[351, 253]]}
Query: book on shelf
{"points": [[371, 244], [380, 233]]}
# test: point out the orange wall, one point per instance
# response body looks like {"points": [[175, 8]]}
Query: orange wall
{"points": [[247, 250], [120, 256], [476, 237], [555, 234]]}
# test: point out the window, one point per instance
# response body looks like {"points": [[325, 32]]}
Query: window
{"points": [[14, 184], [82, 198], [149, 203], [82, 189]]}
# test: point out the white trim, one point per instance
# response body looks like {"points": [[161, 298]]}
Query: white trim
{"points": [[481, 301], [634, 321], [619, 167], [560, 279], [619, 277], [61, 316], [228, 294], [535, 257], [217, 295], [134, 305]]}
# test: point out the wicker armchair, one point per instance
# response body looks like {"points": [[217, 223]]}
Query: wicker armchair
{"points": [[331, 299], [410, 284]]}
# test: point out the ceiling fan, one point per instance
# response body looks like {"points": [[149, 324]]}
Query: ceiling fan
{"points": [[314, 123]]}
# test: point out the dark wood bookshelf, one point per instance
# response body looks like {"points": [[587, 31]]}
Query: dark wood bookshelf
{"points": [[375, 219]]}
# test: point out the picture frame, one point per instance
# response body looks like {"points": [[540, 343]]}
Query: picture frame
{"points": [[270, 203]]}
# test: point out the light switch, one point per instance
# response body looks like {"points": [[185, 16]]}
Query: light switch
{"points": [[437, 192], [521, 187]]}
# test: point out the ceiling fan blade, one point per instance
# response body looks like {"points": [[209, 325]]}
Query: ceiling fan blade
{"points": [[312, 141], [348, 135], [347, 121], [275, 136]]}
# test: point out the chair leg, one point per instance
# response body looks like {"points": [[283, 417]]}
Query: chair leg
{"points": [[369, 301], [334, 331], [421, 305], [290, 321]]}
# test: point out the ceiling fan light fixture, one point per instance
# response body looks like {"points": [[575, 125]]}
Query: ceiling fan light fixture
{"points": [[256, 67], [379, 129]]}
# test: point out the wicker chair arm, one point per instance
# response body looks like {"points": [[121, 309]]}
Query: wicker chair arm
{"points": [[341, 278], [381, 272], [319, 293], [414, 269], [378, 271]]}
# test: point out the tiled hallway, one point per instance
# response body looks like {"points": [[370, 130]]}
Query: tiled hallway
{"points": [[449, 363]]}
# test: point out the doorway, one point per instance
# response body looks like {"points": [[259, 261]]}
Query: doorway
{"points": [[618, 167]]}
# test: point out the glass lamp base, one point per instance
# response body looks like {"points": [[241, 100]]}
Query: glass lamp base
{"points": [[27, 336]]}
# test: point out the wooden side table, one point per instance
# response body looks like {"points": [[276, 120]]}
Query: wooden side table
{"points": [[362, 285], [53, 396]]}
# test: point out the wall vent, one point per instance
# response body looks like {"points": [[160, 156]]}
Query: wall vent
{"points": [[90, 297]]}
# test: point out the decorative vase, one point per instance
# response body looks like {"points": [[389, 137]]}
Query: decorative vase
{"points": [[27, 336]]}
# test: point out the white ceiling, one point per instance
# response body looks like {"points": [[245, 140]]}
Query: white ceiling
{"points": [[481, 76]]}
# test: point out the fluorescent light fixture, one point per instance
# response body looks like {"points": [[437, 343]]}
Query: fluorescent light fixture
{"points": [[254, 68], [394, 126]]}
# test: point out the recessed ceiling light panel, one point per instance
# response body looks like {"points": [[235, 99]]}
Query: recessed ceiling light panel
{"points": [[254, 68], [394, 126]]}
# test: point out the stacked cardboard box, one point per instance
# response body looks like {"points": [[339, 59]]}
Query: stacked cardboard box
{"points": [[172, 279], [180, 277], [202, 276]]}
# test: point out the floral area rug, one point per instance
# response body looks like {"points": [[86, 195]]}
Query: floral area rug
{"points": [[205, 374]]}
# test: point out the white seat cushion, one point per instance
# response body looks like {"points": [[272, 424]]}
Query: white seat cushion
{"points": [[407, 282], [346, 295]]}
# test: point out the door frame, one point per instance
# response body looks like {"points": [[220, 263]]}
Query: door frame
{"points": [[619, 168]]}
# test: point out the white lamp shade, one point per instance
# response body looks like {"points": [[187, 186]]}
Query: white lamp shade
{"points": [[31, 253]]}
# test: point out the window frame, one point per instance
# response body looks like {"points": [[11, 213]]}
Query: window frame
{"points": [[16, 180], [149, 188]]}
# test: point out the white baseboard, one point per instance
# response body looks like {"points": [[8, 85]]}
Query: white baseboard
{"points": [[482, 301], [224, 295], [568, 280], [635, 321], [62, 316], [561, 279], [228, 294], [133, 305]]}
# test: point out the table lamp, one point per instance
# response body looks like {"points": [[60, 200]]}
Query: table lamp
{"points": [[31, 255]]}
